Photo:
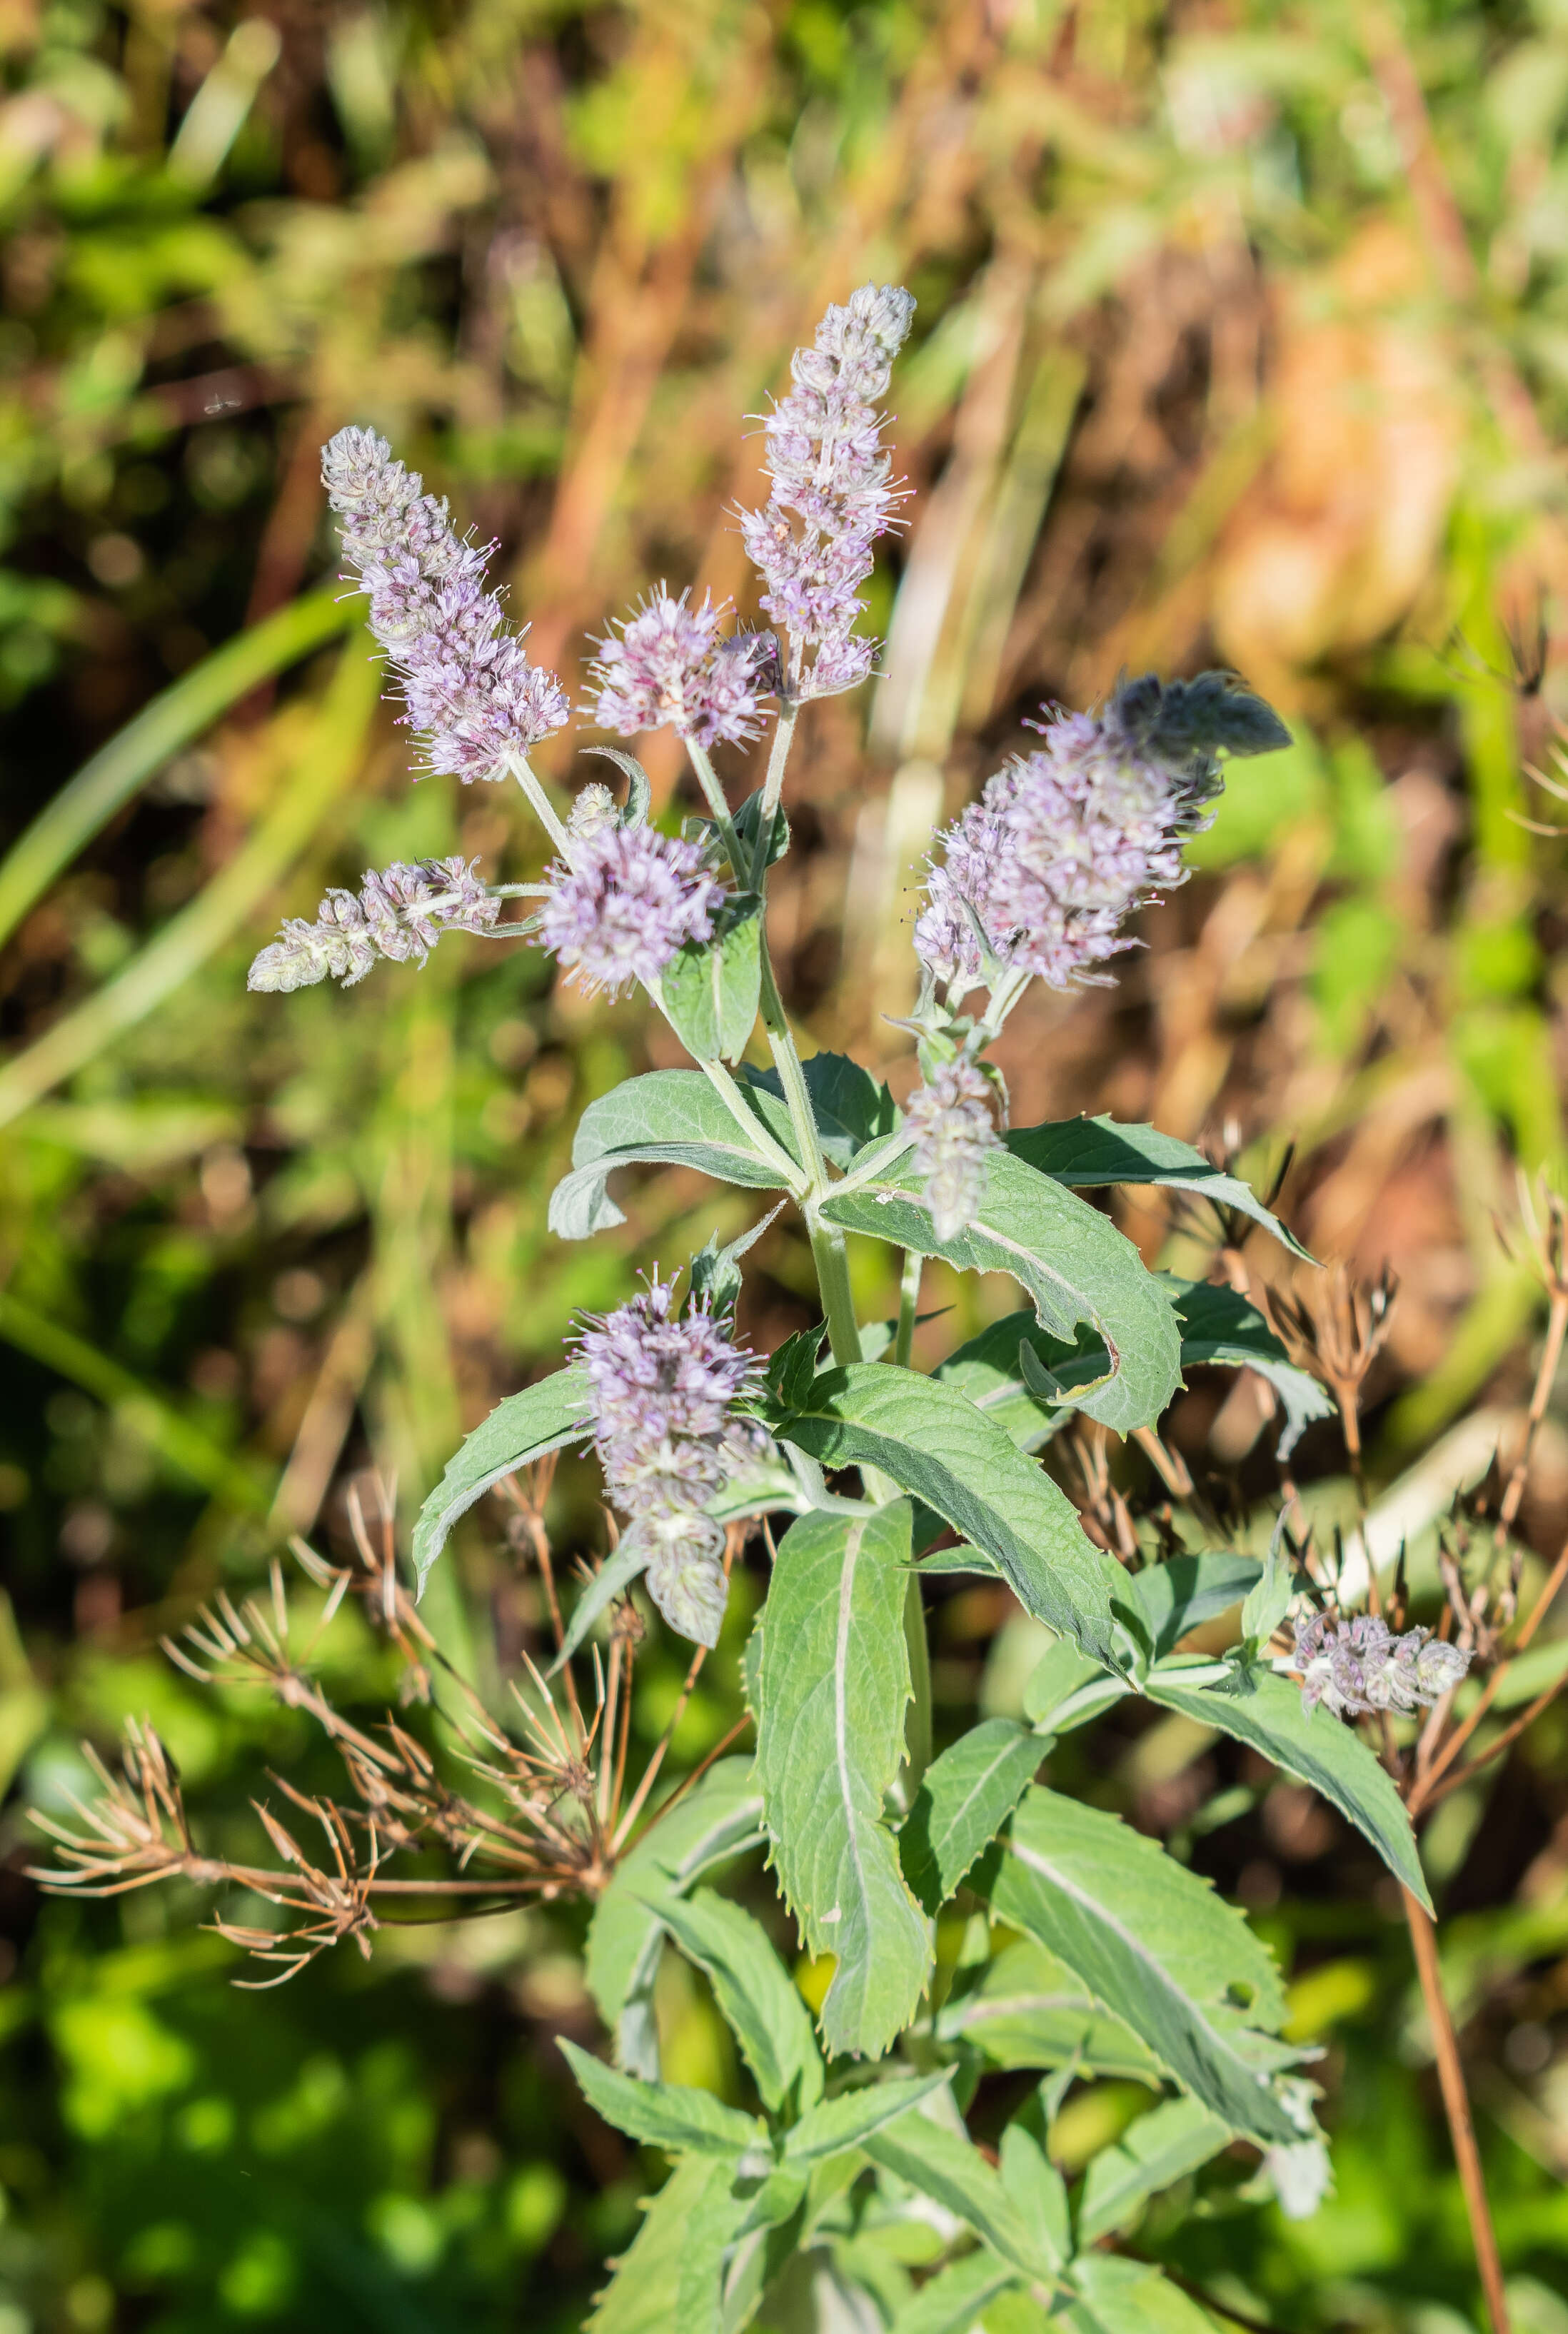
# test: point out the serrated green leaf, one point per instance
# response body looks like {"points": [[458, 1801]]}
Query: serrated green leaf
{"points": [[1154, 1945], [1222, 1329], [747, 821], [1027, 2009], [1072, 1260], [988, 1368], [851, 1108], [719, 1818], [710, 991], [758, 2000], [832, 1687], [834, 2125], [670, 2116], [964, 1797], [671, 1118], [1037, 2188], [951, 2171], [952, 2301], [612, 1579], [933, 1442], [519, 1430], [1162, 2146], [1087, 1153], [1184, 1591], [1331, 1758], [1065, 1689], [672, 2273], [1268, 1600], [1125, 2297]]}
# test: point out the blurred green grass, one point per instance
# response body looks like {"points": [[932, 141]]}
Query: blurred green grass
{"points": [[1243, 336]]}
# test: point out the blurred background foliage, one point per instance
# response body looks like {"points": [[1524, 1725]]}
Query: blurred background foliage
{"points": [[1242, 338]]}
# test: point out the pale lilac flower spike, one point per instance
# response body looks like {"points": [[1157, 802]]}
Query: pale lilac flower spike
{"points": [[398, 914], [830, 473], [954, 1127], [1354, 1667], [628, 900], [470, 689], [1064, 843], [662, 1388], [670, 664]]}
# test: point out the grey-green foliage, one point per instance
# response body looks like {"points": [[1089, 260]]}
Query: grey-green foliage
{"points": [[1072, 1260], [964, 1798], [1155, 1945], [711, 992], [1157, 2148], [762, 2006], [671, 2274], [519, 1430], [833, 1685], [1087, 1153], [1267, 1714], [934, 1444], [671, 1118], [715, 1821]]}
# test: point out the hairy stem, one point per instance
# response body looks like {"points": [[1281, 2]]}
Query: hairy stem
{"points": [[1457, 2107], [773, 787], [908, 1300], [719, 810], [539, 803], [830, 1254]]}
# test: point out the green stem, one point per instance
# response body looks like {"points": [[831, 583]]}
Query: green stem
{"points": [[908, 1299], [830, 1253], [713, 796], [773, 790], [917, 1722], [539, 801]]}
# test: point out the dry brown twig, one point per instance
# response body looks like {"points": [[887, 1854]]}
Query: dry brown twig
{"points": [[549, 1815]]}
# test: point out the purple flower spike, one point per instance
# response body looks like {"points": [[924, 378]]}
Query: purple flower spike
{"points": [[398, 914], [1066, 841], [470, 689], [951, 1120], [630, 899], [671, 665], [1355, 1668], [662, 1390], [832, 496]]}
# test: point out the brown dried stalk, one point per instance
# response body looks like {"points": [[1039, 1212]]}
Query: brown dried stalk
{"points": [[549, 1815]]}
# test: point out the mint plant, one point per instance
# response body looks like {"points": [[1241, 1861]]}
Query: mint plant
{"points": [[975, 1918]]}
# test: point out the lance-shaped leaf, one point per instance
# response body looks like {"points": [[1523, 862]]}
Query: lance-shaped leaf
{"points": [[1025, 2008], [850, 1106], [672, 2116], [964, 1798], [951, 2171], [1072, 1260], [1332, 1759], [759, 2002], [953, 2301], [989, 1369], [836, 2125], [519, 1431], [832, 1688], [1125, 2297], [1187, 1590], [671, 1118], [1162, 2146], [936, 1444], [1085, 1153], [1219, 1327], [719, 1817], [1154, 1945], [710, 991], [673, 2274], [612, 1579]]}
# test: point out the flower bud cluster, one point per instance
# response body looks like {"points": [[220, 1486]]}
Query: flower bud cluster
{"points": [[399, 914], [830, 472], [664, 1385], [951, 1120], [1357, 1666], [670, 664], [1064, 843], [627, 901], [470, 691]]}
